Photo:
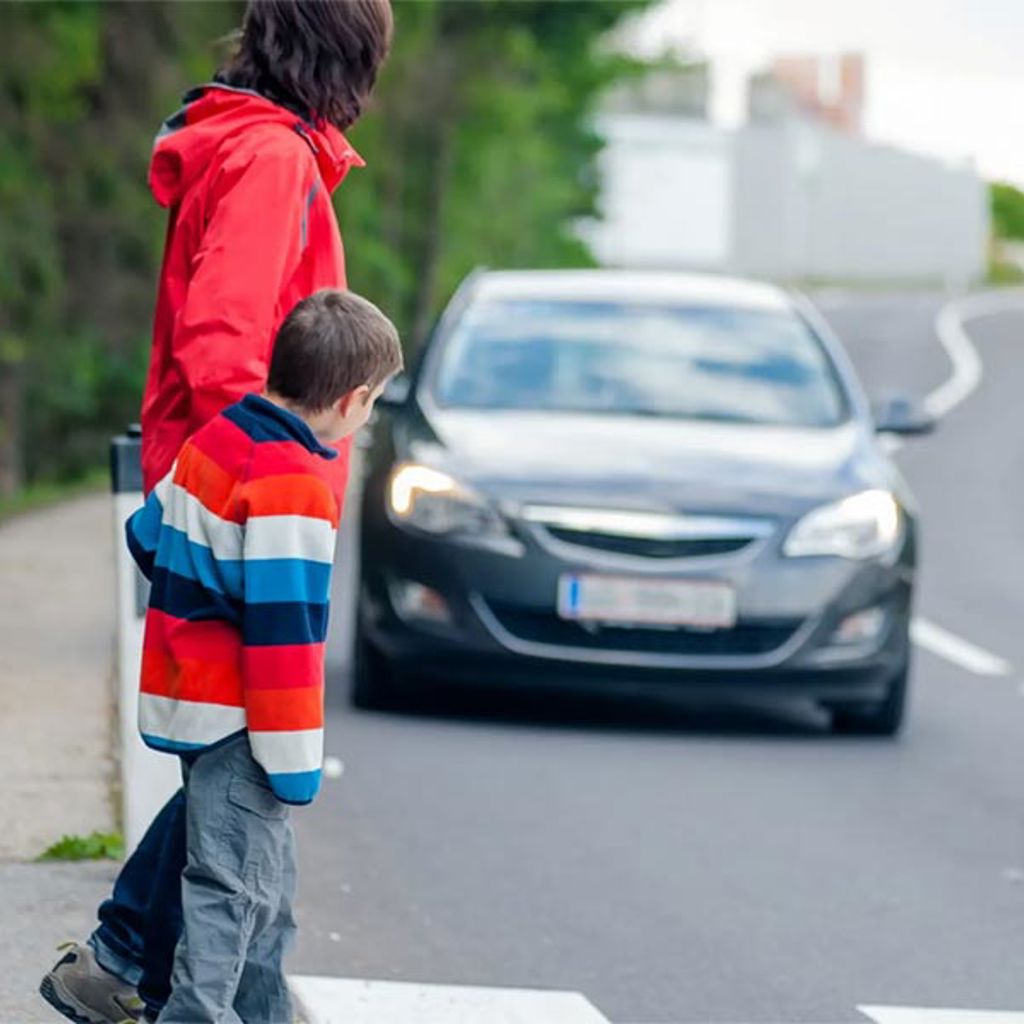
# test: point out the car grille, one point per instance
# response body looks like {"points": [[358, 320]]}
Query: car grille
{"points": [[650, 547], [760, 636]]}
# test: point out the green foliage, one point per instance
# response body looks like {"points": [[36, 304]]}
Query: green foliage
{"points": [[1003, 272], [478, 147], [1007, 204], [95, 846], [478, 153]]}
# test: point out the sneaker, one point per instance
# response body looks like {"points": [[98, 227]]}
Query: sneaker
{"points": [[87, 994]]}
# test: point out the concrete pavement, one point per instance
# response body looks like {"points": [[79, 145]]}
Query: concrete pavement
{"points": [[56, 734]]}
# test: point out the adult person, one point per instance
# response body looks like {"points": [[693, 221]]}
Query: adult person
{"points": [[245, 170]]}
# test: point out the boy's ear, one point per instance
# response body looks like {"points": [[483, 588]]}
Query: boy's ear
{"points": [[358, 395]]}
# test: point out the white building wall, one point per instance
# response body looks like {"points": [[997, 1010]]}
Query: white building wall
{"points": [[666, 195], [787, 199]]}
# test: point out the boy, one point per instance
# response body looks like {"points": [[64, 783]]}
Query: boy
{"points": [[238, 541]]}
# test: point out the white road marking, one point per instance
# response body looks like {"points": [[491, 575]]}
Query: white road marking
{"points": [[926, 1015], [955, 649], [353, 1001], [334, 767], [950, 326]]}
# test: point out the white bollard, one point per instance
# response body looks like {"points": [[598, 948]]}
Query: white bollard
{"points": [[148, 778]]}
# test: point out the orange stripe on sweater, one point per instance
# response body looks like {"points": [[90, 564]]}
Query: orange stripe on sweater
{"points": [[285, 710], [291, 494], [215, 488]]}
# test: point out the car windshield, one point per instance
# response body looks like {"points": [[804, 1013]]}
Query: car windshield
{"points": [[690, 362]]}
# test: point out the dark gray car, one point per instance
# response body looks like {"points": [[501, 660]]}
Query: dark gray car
{"points": [[611, 479]]}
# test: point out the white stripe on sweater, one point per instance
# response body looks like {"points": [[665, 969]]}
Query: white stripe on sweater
{"points": [[185, 512], [301, 537], [299, 750], [183, 721]]}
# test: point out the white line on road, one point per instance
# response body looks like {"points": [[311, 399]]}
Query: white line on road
{"points": [[955, 649], [950, 326], [354, 1001], [927, 1015], [967, 372]]}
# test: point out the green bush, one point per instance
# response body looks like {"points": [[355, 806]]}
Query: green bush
{"points": [[95, 846]]}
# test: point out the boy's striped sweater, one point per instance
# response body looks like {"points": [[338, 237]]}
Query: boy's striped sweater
{"points": [[238, 541]]}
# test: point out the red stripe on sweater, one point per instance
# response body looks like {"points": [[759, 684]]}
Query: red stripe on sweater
{"points": [[283, 666], [212, 641], [226, 444], [190, 679]]}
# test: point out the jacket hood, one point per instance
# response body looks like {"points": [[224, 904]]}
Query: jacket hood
{"points": [[214, 113]]}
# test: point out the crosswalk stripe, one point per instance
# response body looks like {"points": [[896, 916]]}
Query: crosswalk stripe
{"points": [[353, 1001], [929, 1015]]}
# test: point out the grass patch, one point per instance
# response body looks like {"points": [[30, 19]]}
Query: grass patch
{"points": [[39, 496], [96, 846]]}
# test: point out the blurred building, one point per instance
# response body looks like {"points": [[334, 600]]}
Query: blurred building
{"points": [[797, 193], [829, 90], [682, 90]]}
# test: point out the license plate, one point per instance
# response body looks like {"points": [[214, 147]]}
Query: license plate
{"points": [[624, 600]]}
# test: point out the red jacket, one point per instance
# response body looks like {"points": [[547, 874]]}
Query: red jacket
{"points": [[252, 231]]}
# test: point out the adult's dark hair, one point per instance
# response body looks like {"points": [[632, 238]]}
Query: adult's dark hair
{"points": [[330, 344], [317, 57]]}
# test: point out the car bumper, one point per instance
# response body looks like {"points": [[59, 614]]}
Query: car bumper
{"points": [[503, 628]]}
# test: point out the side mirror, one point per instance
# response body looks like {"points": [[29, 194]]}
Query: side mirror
{"points": [[902, 415], [396, 392]]}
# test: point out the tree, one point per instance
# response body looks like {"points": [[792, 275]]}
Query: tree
{"points": [[1007, 211], [478, 153], [478, 146]]}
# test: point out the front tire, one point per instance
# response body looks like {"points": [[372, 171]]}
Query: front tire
{"points": [[376, 683], [882, 718]]}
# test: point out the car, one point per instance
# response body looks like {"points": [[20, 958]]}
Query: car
{"points": [[619, 480]]}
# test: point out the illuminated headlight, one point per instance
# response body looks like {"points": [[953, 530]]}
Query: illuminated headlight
{"points": [[865, 525], [431, 500]]}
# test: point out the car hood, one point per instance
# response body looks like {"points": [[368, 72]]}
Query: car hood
{"points": [[648, 463]]}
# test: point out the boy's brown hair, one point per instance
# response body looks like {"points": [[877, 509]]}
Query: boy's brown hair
{"points": [[330, 344]]}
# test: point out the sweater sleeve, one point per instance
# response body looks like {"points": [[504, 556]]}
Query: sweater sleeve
{"points": [[288, 551], [142, 530]]}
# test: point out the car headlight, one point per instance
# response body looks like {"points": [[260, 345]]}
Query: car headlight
{"points": [[431, 500], [865, 525]]}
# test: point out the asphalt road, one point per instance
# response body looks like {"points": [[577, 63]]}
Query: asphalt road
{"points": [[690, 864]]}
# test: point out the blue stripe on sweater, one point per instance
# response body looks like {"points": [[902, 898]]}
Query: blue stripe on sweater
{"points": [[196, 562], [276, 580], [183, 598], [295, 787], [142, 531], [170, 746]]}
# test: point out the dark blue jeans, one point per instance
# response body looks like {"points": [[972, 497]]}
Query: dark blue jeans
{"points": [[141, 922]]}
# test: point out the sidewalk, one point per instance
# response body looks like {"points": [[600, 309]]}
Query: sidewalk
{"points": [[56, 733]]}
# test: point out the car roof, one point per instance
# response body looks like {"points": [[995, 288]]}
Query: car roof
{"points": [[620, 285]]}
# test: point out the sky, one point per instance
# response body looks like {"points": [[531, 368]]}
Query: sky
{"points": [[945, 77]]}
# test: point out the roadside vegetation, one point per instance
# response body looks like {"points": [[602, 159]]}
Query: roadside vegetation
{"points": [[1006, 260], [477, 153], [95, 846]]}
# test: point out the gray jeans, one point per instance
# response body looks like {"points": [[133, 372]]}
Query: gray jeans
{"points": [[237, 891]]}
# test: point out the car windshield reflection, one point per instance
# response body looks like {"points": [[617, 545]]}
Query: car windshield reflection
{"points": [[693, 362]]}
